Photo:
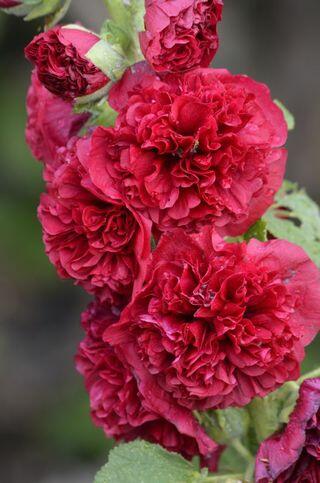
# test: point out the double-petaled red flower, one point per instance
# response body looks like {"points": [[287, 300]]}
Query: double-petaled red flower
{"points": [[293, 456], [97, 241], [51, 122], [61, 59], [218, 324], [118, 406], [202, 148], [181, 34]]}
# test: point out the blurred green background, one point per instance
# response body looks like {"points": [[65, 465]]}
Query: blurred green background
{"points": [[45, 431]]}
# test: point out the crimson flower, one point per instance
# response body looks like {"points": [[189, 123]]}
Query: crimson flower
{"points": [[117, 404], [180, 35], [218, 324], [97, 241], [51, 122], [201, 148], [293, 456]]}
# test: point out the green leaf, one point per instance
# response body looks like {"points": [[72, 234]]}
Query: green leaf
{"points": [[230, 427], [268, 414], [225, 425], [295, 217], [142, 462], [289, 118], [258, 231]]}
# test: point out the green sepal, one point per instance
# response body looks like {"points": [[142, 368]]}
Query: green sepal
{"points": [[54, 19], [19, 10], [108, 59], [289, 118], [46, 7], [101, 112]]}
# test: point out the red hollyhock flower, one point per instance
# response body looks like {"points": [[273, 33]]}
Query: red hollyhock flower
{"points": [[117, 405], [51, 122], [180, 35], [293, 456], [218, 324], [202, 148], [97, 241], [62, 66]]}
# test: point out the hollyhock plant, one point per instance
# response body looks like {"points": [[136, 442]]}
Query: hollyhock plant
{"points": [[201, 148], [181, 34], [293, 456], [73, 62], [218, 324], [51, 122], [165, 200], [99, 242], [118, 406]]}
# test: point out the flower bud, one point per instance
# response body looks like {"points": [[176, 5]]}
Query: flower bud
{"points": [[74, 63], [180, 35]]}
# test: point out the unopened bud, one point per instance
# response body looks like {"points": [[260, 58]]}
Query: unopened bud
{"points": [[75, 63]]}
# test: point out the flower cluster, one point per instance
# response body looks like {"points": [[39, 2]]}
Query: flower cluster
{"points": [[138, 213]]}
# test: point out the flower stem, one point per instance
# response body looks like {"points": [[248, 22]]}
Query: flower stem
{"points": [[242, 450], [309, 375], [249, 474]]}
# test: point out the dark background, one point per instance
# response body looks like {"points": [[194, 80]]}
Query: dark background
{"points": [[45, 431]]}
